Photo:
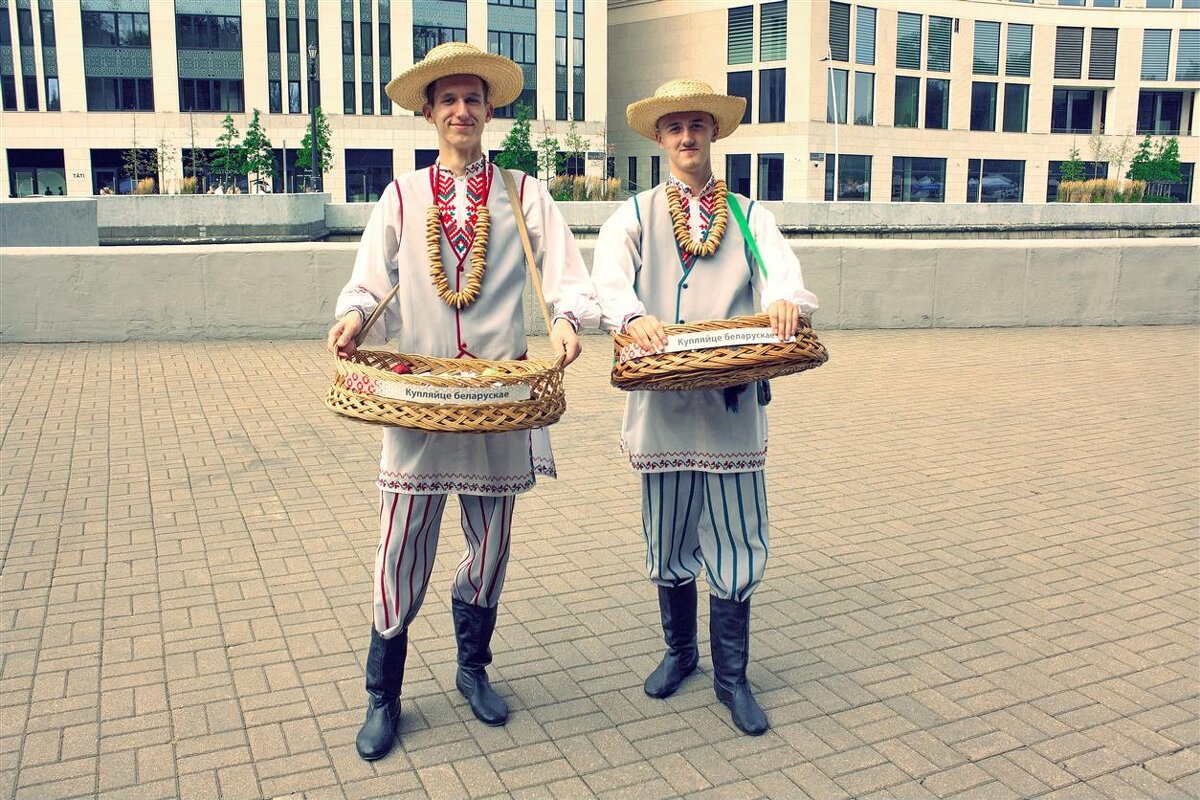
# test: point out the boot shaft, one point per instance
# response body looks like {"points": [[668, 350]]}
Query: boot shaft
{"points": [[473, 628], [729, 628], [677, 608], [385, 665]]}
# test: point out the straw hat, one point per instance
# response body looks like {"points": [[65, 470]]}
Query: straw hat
{"points": [[503, 77], [685, 94]]}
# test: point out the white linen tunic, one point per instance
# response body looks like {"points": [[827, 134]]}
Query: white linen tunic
{"points": [[638, 271], [393, 248]]}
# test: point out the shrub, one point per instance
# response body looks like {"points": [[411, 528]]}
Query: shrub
{"points": [[144, 186], [189, 185], [581, 187]]}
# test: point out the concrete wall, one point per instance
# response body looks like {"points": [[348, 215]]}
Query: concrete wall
{"points": [[288, 290], [904, 220], [48, 222], [150, 219]]}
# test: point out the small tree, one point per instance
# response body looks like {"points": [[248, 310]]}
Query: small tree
{"points": [[136, 162], [575, 143], [1072, 169], [1141, 168], [515, 151], [1099, 150], [1158, 167], [164, 158], [549, 162], [1118, 155], [257, 154], [196, 163], [324, 149], [229, 158]]}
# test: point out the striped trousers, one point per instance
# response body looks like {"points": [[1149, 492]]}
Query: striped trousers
{"points": [[408, 540], [718, 519]]}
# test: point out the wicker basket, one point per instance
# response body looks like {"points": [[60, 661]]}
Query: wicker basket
{"points": [[714, 366], [435, 396]]}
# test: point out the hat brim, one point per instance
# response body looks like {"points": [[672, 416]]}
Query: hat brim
{"points": [[727, 110], [503, 77]]}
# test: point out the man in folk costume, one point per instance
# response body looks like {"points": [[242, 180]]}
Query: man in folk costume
{"points": [[448, 235], [671, 254]]}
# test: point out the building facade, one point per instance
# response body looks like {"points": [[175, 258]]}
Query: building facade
{"points": [[85, 83], [939, 101]]}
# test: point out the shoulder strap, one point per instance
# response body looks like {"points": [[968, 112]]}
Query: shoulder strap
{"points": [[736, 208], [519, 214]]}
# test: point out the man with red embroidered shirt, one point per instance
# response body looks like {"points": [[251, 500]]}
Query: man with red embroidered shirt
{"points": [[428, 232], [680, 252]]}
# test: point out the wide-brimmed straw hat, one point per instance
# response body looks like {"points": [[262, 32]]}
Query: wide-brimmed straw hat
{"points": [[503, 77], [686, 94]]}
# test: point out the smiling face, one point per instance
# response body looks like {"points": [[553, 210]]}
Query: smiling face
{"points": [[458, 109], [687, 138]]}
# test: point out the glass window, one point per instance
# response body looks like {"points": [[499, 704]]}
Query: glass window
{"points": [[53, 102], [655, 167], [424, 158], [8, 93], [770, 176], [937, 58], [275, 97], [1156, 50], [294, 97], [522, 48], [427, 37], [199, 32], [365, 42], [30, 83], [1016, 107], [737, 173], [839, 32], [1070, 2], [25, 28], [1159, 113], [368, 97], [207, 94], [853, 177], [740, 84], [983, 106], [632, 175], [1020, 49], [47, 18], [1068, 52], [987, 48], [772, 31], [385, 102], [1160, 3], [908, 41], [6, 36], [1102, 58], [937, 103], [772, 94], [864, 98], [995, 181], [1106, 3], [349, 106], [272, 34], [908, 91], [1187, 56], [864, 37], [918, 180], [1072, 111], [835, 96], [741, 35], [368, 172], [293, 35]]}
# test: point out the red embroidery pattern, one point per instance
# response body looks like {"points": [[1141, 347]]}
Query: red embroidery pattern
{"points": [[357, 382], [444, 193], [708, 209], [705, 462]]}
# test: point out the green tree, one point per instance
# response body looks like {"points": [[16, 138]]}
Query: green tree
{"points": [[575, 144], [257, 154], [136, 162], [164, 162], [229, 157], [1072, 169], [1141, 168], [1167, 160], [549, 162], [324, 149], [196, 163], [515, 151]]}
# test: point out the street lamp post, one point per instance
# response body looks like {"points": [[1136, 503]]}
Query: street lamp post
{"points": [[834, 107], [312, 112]]}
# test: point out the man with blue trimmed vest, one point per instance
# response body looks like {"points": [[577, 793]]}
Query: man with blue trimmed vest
{"points": [[676, 253]]}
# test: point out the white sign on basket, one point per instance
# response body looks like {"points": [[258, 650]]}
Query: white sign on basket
{"points": [[453, 395], [728, 337]]}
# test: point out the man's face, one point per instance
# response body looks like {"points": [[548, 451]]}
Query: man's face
{"points": [[459, 110], [687, 138]]}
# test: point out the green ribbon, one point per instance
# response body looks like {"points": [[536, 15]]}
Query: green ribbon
{"points": [[736, 208]]}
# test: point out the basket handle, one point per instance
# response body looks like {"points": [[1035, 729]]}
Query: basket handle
{"points": [[376, 314], [519, 213]]}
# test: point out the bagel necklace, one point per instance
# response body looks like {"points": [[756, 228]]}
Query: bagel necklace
{"points": [[683, 234], [478, 258]]}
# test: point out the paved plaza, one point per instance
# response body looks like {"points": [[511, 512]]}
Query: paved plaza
{"points": [[983, 584]]}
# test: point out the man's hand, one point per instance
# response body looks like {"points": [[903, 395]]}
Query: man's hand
{"points": [[785, 318], [648, 333], [341, 336], [565, 340]]}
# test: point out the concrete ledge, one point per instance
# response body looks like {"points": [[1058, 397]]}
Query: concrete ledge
{"points": [[288, 290], [48, 222], [206, 218]]}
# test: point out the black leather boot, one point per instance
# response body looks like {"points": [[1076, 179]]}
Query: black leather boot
{"points": [[473, 626], [729, 622], [677, 606], [385, 676]]}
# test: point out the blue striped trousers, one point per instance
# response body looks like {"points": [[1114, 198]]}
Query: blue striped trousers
{"points": [[718, 519]]}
